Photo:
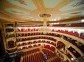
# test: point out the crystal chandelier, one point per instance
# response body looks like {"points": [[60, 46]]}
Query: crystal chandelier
{"points": [[44, 28]]}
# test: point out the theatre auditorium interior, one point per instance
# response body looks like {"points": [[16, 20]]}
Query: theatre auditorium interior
{"points": [[41, 30]]}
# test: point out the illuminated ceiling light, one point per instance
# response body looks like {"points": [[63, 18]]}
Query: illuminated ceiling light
{"points": [[82, 20]]}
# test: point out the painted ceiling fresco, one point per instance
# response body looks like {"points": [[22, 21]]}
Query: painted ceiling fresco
{"points": [[31, 9]]}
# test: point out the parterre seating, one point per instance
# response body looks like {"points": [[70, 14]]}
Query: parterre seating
{"points": [[48, 53], [30, 51], [38, 57], [56, 60]]}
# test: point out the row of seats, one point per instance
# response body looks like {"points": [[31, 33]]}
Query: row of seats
{"points": [[29, 34], [24, 47], [27, 47], [57, 59], [33, 38], [74, 33], [30, 51], [34, 42], [75, 42], [35, 29], [38, 57], [74, 52], [26, 29], [36, 33], [49, 47]]}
